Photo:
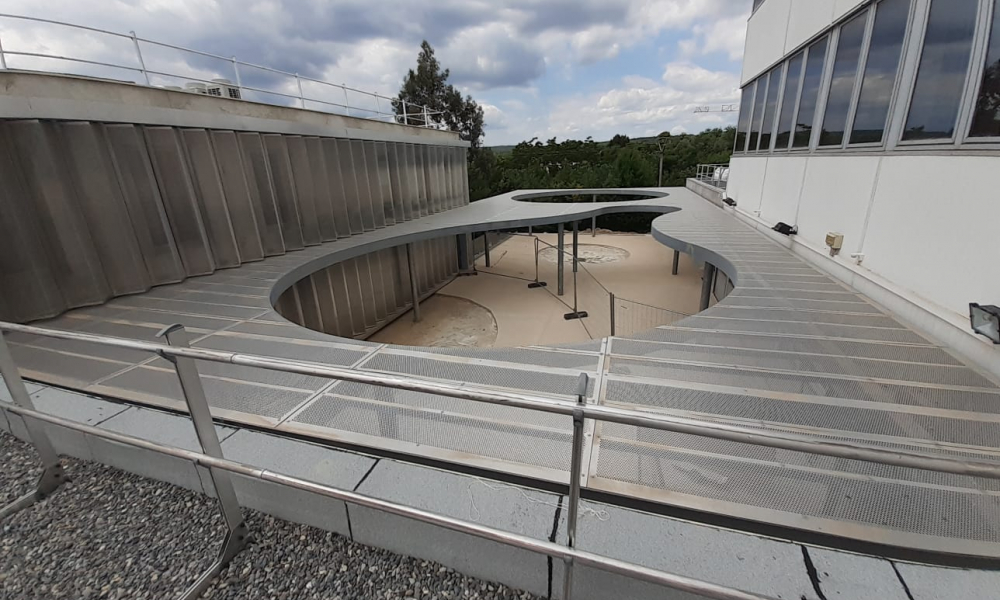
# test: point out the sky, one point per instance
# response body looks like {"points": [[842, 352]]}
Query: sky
{"points": [[567, 69]]}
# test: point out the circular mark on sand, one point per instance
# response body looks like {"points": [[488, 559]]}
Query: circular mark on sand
{"points": [[593, 254], [445, 322]]}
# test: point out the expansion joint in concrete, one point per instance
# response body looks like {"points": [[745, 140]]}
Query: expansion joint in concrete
{"points": [[902, 582], [812, 573]]}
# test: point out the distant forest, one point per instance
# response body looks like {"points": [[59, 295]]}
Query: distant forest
{"points": [[620, 162]]}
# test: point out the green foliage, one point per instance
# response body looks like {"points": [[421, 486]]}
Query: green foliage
{"points": [[588, 164], [620, 141], [428, 86]]}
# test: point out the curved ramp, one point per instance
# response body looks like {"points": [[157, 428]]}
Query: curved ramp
{"points": [[790, 349]]}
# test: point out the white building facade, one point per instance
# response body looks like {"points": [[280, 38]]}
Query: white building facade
{"points": [[880, 120]]}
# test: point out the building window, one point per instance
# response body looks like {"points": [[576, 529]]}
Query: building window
{"points": [[884, 52], [941, 74], [810, 93], [743, 127], [845, 71], [758, 113], [986, 115], [770, 107], [787, 117]]}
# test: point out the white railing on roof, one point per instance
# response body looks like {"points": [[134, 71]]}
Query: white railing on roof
{"points": [[159, 64]]}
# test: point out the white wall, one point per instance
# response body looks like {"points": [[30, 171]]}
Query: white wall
{"points": [[780, 26], [933, 224]]}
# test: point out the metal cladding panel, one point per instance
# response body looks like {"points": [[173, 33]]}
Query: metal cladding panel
{"points": [[284, 190], [370, 172], [464, 174], [444, 191], [325, 214], [430, 179], [354, 171], [345, 309], [145, 206], [343, 191], [179, 200], [243, 211], [288, 306], [305, 190], [382, 308], [407, 189], [352, 280], [103, 207], [212, 199], [420, 168], [369, 304], [309, 304], [396, 166], [385, 182], [73, 257], [258, 178], [320, 281], [451, 199], [30, 289]]}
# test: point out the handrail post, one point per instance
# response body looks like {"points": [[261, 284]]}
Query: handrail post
{"points": [[414, 295], [347, 102], [593, 220], [612, 296], [536, 283], [406, 112], [52, 472], [575, 475], [237, 534], [427, 119], [138, 53], [677, 261], [486, 248], [302, 98], [378, 106], [236, 72], [3, 59], [561, 259]]}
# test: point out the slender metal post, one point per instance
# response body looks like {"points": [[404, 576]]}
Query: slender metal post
{"points": [[486, 246], [677, 262], [239, 82], [593, 220], [406, 113], [706, 285], [3, 59], [427, 119], [237, 535], [347, 103], [575, 475], [378, 106], [462, 242], [576, 245], [302, 98], [536, 283], [52, 472], [414, 296], [612, 313], [560, 288], [138, 53]]}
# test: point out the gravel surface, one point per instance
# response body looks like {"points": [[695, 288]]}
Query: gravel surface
{"points": [[110, 534]]}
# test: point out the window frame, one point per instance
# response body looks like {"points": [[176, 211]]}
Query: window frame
{"points": [[962, 118], [852, 101], [831, 37], [778, 70], [980, 50], [786, 68], [753, 111]]}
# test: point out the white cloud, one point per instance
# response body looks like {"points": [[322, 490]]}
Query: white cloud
{"points": [[727, 36]]}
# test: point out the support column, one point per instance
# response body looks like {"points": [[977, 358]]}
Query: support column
{"points": [[414, 296], [576, 246], [486, 246], [677, 262], [560, 266], [593, 221], [462, 240], [706, 285]]}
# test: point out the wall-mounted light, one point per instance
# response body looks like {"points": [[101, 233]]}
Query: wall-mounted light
{"points": [[786, 229], [986, 321], [729, 201]]}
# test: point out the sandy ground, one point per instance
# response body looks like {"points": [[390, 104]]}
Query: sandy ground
{"points": [[633, 267]]}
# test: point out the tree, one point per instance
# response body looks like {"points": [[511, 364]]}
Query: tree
{"points": [[620, 141], [428, 86], [631, 170]]}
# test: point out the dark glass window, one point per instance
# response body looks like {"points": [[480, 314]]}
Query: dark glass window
{"points": [[986, 119], [943, 67], [758, 113], [787, 116], [757, 3], [746, 105], [810, 93], [884, 52], [770, 107], [845, 72]]}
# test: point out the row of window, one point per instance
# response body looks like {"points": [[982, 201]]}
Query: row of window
{"points": [[841, 90]]}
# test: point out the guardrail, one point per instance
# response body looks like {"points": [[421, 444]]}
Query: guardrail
{"points": [[184, 358], [716, 175], [227, 79]]}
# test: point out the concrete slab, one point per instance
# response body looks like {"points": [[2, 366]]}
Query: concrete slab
{"points": [[747, 562], [300, 459], [855, 577], [163, 428], [509, 508], [937, 583], [5, 393]]}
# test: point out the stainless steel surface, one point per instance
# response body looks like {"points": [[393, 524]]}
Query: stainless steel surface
{"points": [[575, 477], [414, 295], [610, 565]]}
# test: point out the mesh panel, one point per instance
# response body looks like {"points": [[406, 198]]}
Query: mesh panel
{"points": [[271, 347], [780, 294], [830, 305], [814, 329], [822, 416], [802, 316], [526, 356]]}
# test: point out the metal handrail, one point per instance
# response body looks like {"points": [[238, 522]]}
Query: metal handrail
{"points": [[184, 359], [412, 113]]}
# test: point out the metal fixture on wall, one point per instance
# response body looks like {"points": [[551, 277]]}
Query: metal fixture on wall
{"points": [[985, 321]]}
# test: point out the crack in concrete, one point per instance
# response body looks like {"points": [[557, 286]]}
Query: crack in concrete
{"points": [[812, 573], [552, 538], [906, 587]]}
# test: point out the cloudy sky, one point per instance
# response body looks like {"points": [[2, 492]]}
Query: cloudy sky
{"points": [[540, 68]]}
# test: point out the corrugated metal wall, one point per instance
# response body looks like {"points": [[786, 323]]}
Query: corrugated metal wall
{"points": [[90, 211], [356, 297]]}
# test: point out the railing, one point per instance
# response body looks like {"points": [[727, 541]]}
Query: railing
{"points": [[631, 317], [184, 360], [215, 75], [714, 175]]}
